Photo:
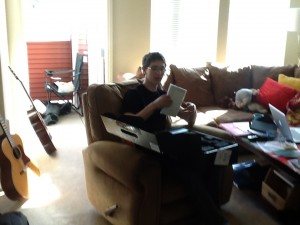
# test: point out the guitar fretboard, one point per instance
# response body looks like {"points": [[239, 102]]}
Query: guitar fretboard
{"points": [[9, 137], [15, 75]]}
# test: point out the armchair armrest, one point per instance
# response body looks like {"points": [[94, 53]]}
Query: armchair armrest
{"points": [[125, 180], [126, 164]]}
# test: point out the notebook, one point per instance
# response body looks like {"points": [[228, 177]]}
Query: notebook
{"points": [[291, 134], [236, 128], [177, 95]]}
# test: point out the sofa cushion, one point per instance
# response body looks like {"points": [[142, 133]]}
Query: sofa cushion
{"points": [[221, 115], [276, 94], [201, 119], [260, 73], [196, 81], [297, 72], [292, 82], [227, 80]]}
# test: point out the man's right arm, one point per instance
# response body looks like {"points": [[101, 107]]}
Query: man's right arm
{"points": [[146, 112], [131, 102]]}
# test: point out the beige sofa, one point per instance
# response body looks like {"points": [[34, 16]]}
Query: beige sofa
{"points": [[209, 86], [128, 186]]}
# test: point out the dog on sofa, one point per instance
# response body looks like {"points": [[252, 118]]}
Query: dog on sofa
{"points": [[244, 100]]}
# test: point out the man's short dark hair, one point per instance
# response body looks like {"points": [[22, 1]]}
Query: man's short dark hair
{"points": [[152, 56]]}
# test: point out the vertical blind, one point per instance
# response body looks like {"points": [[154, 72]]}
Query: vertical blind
{"points": [[185, 32]]}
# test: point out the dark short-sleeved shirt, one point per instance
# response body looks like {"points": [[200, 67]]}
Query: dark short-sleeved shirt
{"points": [[138, 98]]}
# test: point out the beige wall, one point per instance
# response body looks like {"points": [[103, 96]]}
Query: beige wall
{"points": [[222, 31], [295, 4], [291, 50], [1, 95], [14, 53], [131, 34], [2, 42]]}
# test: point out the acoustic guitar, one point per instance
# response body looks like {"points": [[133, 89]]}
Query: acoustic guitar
{"points": [[13, 164], [38, 123]]}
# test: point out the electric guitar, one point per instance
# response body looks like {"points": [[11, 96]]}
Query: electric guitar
{"points": [[13, 164], [38, 123]]}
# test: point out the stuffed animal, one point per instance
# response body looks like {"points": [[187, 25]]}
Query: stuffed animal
{"points": [[244, 101]]}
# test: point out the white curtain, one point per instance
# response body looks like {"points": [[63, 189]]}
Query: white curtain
{"points": [[4, 59], [97, 38]]}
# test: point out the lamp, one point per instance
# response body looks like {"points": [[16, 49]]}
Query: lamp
{"points": [[294, 26]]}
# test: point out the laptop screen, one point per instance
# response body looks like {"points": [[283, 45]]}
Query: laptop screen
{"points": [[281, 122]]}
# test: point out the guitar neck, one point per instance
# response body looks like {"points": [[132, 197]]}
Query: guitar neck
{"points": [[7, 133], [38, 123], [30, 99]]}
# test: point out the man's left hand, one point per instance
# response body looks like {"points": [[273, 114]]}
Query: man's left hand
{"points": [[188, 112]]}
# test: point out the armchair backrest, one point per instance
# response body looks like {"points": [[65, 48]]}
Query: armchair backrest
{"points": [[77, 71], [99, 99]]}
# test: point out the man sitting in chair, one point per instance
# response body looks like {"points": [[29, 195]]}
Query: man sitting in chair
{"points": [[186, 161]]}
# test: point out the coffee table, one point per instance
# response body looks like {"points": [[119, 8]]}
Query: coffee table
{"points": [[278, 162], [281, 186]]}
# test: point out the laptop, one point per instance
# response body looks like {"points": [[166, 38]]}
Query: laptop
{"points": [[158, 142], [291, 134]]}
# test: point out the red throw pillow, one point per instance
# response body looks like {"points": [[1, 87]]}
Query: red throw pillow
{"points": [[276, 94]]}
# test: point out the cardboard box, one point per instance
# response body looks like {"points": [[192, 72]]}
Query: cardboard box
{"points": [[281, 190]]}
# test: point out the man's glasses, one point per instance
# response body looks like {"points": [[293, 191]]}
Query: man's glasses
{"points": [[157, 68]]}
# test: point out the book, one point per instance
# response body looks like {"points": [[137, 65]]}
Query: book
{"points": [[236, 128], [177, 95]]}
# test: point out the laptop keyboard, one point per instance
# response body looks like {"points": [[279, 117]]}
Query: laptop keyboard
{"points": [[295, 134], [210, 143]]}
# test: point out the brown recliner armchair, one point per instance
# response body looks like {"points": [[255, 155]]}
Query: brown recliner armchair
{"points": [[127, 185]]}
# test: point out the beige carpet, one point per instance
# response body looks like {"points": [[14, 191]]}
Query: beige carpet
{"points": [[58, 196]]}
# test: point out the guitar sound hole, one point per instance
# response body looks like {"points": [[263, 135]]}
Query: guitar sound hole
{"points": [[17, 153]]}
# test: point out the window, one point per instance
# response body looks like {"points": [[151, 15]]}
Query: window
{"points": [[53, 20], [257, 32], [185, 32], [61, 20]]}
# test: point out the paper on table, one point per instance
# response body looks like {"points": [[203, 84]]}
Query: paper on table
{"points": [[273, 146], [288, 153], [177, 95], [295, 163]]}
